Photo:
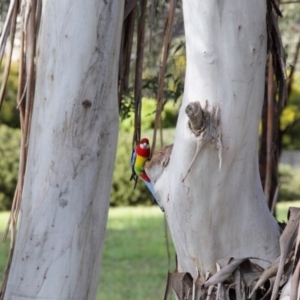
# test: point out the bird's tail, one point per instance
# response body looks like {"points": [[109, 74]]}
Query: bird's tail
{"points": [[151, 189]]}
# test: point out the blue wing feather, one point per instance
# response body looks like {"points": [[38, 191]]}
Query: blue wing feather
{"points": [[133, 158], [133, 175], [151, 189]]}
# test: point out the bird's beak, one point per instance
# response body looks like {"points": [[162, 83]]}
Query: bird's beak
{"points": [[144, 146]]}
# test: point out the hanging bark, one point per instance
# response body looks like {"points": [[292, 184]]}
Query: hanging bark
{"points": [[270, 148], [126, 49]]}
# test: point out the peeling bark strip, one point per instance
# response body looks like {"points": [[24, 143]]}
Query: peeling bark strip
{"points": [[277, 50], [182, 285], [205, 124]]}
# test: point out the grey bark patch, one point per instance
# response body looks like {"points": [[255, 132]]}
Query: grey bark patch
{"points": [[63, 202], [86, 103]]}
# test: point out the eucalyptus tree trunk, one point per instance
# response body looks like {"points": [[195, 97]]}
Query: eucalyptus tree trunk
{"points": [[71, 152], [209, 185]]}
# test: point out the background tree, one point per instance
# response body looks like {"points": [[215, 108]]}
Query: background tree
{"points": [[68, 102]]}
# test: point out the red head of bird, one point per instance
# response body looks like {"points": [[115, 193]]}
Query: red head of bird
{"points": [[143, 148]]}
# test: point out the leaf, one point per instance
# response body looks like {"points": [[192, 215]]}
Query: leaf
{"points": [[295, 282], [286, 291], [286, 242], [239, 285], [266, 275], [297, 251], [221, 292], [209, 292], [268, 293], [198, 289], [181, 45], [225, 272], [182, 285]]}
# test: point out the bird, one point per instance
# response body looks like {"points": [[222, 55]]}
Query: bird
{"points": [[140, 155]]}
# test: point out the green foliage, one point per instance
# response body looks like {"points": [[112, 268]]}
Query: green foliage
{"points": [[291, 116], [289, 28], [4, 247], [169, 116], [9, 113], [127, 106], [9, 160], [289, 179], [173, 86]]}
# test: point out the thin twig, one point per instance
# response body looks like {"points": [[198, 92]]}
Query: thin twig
{"points": [[167, 242], [139, 75], [125, 53], [6, 28], [270, 126], [274, 201], [163, 67], [10, 51], [26, 91]]}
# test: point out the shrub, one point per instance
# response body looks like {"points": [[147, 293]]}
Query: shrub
{"points": [[289, 179], [9, 163], [169, 116], [9, 114], [122, 192]]}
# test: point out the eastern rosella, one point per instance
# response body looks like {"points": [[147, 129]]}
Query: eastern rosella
{"points": [[139, 157]]}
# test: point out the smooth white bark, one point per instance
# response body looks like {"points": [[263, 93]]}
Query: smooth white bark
{"points": [[220, 212], [71, 152]]}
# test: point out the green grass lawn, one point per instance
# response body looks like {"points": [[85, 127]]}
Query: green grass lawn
{"points": [[4, 247], [134, 264]]}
